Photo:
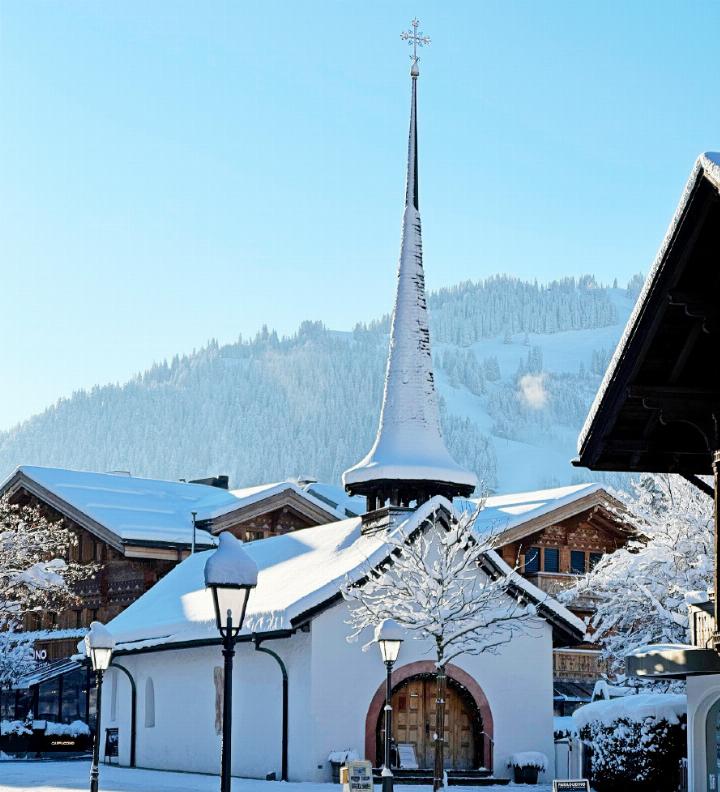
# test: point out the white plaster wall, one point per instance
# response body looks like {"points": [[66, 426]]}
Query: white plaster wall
{"points": [[331, 684], [517, 684], [702, 693], [184, 736]]}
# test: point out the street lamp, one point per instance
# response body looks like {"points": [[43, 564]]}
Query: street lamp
{"points": [[99, 645], [230, 574], [388, 636]]}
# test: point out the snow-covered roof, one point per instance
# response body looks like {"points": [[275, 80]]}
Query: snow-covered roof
{"points": [[130, 508], [503, 513], [247, 496], [297, 572], [707, 165], [409, 445]]}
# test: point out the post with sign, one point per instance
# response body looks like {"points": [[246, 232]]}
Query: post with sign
{"points": [[358, 776], [569, 785]]}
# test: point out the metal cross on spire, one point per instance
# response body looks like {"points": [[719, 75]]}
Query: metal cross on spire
{"points": [[415, 37]]}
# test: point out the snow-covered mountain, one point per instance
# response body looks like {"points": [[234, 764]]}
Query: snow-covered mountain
{"points": [[517, 365]]}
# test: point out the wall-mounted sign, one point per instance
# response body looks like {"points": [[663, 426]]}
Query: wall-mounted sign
{"points": [[580, 785], [41, 654]]}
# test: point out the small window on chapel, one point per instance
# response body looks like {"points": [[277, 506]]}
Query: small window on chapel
{"points": [[577, 562], [551, 560], [595, 559], [532, 559]]}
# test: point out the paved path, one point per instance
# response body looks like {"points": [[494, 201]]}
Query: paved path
{"points": [[74, 777]]}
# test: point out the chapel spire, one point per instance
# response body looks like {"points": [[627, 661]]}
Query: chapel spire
{"points": [[409, 461]]}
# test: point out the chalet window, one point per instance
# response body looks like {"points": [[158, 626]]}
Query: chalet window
{"points": [[149, 703], [551, 559], [532, 559], [595, 559], [577, 562]]}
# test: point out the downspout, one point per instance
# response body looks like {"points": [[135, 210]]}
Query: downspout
{"points": [[283, 669], [133, 710]]}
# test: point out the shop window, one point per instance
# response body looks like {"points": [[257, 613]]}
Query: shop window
{"points": [[532, 560], [551, 559], [49, 700], [73, 696], [577, 562], [149, 703], [595, 559]]}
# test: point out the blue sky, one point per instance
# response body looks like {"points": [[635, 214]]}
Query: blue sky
{"points": [[176, 171]]}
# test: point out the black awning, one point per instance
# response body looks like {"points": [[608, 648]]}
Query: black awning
{"points": [[660, 400]]}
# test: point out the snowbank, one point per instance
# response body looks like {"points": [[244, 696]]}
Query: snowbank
{"points": [[658, 706]]}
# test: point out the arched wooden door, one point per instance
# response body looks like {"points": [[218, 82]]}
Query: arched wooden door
{"points": [[414, 703]]}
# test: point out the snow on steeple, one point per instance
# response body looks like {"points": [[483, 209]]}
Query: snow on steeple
{"points": [[409, 460]]}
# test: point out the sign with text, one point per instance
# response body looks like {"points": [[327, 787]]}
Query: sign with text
{"points": [[359, 775], [111, 743], [406, 756], [581, 785]]}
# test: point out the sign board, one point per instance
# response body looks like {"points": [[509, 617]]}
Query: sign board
{"points": [[581, 785], [111, 743], [359, 776], [406, 756]]}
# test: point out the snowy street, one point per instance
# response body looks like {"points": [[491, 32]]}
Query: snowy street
{"points": [[74, 776]]}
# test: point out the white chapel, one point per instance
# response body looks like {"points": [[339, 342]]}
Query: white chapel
{"points": [[168, 650]]}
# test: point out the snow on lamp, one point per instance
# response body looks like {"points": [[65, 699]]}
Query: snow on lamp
{"points": [[99, 645], [389, 636], [230, 574]]}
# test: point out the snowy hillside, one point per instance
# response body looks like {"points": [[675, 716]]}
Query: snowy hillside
{"points": [[517, 366]]}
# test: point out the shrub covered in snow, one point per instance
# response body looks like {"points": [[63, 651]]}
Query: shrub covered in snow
{"points": [[74, 729], [529, 759], [14, 727], [636, 742]]}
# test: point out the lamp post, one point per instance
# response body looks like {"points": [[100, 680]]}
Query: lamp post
{"points": [[230, 574], [99, 645], [388, 636]]}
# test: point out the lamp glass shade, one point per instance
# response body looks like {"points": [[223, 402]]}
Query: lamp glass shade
{"points": [[100, 657], [389, 649], [232, 599]]}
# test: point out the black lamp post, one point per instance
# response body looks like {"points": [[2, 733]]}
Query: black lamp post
{"points": [[388, 636], [99, 645], [230, 574]]}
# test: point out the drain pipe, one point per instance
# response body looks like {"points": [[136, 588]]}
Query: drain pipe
{"points": [[133, 710], [283, 669]]}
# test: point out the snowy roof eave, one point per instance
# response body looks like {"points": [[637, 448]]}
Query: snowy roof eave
{"points": [[706, 166]]}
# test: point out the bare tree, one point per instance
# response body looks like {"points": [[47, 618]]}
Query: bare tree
{"points": [[36, 575], [439, 584]]}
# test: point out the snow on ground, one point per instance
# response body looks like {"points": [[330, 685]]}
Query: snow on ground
{"points": [[74, 777]]}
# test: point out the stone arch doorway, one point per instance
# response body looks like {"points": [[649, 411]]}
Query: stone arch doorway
{"points": [[469, 723]]}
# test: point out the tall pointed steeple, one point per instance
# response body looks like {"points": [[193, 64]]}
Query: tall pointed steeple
{"points": [[409, 461]]}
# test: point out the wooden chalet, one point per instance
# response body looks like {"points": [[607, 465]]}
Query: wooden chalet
{"points": [[554, 536]]}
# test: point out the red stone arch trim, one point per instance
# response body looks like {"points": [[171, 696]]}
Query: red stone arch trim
{"points": [[404, 673]]}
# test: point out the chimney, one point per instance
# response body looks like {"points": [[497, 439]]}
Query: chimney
{"points": [[221, 482]]}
